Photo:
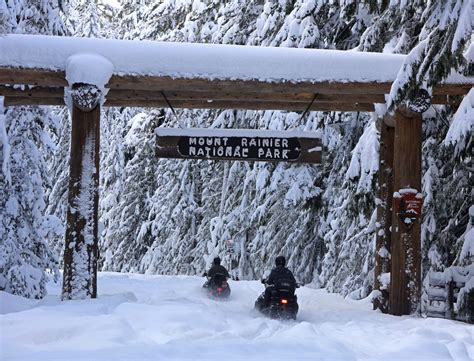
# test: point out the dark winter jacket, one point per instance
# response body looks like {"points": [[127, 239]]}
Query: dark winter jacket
{"points": [[217, 269], [281, 273]]}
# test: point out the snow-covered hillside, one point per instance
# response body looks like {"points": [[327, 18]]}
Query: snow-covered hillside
{"points": [[169, 318]]}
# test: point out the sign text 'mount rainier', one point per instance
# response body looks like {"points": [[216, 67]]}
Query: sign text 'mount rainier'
{"points": [[240, 147]]}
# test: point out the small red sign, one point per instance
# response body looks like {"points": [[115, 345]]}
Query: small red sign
{"points": [[408, 204]]}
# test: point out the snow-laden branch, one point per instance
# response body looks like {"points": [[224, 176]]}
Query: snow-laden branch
{"points": [[438, 55], [364, 162], [463, 123]]}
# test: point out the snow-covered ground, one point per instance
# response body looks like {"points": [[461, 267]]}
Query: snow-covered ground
{"points": [[141, 317]]}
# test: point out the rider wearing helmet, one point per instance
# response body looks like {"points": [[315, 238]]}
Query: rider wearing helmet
{"points": [[279, 273], [216, 269]]}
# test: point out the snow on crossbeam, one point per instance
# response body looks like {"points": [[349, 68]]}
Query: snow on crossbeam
{"points": [[205, 61], [91, 70], [88, 69], [207, 76]]}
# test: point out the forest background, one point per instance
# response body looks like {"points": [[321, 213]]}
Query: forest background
{"points": [[173, 216]]}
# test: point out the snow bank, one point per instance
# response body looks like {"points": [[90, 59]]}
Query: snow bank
{"points": [[141, 317], [207, 61], [11, 303]]}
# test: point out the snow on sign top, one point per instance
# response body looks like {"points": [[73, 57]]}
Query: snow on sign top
{"points": [[206, 61], [250, 133]]}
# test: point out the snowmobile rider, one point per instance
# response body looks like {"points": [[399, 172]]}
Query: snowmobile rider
{"points": [[216, 269], [280, 272]]}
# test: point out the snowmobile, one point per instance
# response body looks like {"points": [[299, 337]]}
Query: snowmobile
{"points": [[218, 287], [282, 301]]}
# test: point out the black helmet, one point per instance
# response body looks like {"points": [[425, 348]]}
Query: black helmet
{"points": [[217, 261], [280, 261]]}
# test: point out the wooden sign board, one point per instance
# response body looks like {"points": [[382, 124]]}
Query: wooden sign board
{"points": [[251, 145]]}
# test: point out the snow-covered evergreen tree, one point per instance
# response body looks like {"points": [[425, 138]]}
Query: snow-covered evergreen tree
{"points": [[58, 170], [6, 21], [84, 18], [36, 17], [447, 28], [26, 257], [127, 208]]}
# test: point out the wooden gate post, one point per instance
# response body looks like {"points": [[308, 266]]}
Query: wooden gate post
{"points": [[384, 212], [405, 284], [81, 244]]}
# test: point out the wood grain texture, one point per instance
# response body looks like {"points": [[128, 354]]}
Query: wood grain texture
{"points": [[405, 286], [384, 213]]}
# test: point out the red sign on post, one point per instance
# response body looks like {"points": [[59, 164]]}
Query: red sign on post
{"points": [[407, 204]]}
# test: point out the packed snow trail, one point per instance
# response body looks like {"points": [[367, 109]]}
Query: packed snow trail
{"points": [[170, 318]]}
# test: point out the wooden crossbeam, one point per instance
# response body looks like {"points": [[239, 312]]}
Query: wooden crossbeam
{"points": [[251, 86], [38, 77], [245, 86], [49, 78], [120, 94], [31, 92], [204, 104], [122, 97], [133, 94], [17, 101], [251, 105]]}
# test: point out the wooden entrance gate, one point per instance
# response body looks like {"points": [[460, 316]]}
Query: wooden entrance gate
{"points": [[32, 82]]}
